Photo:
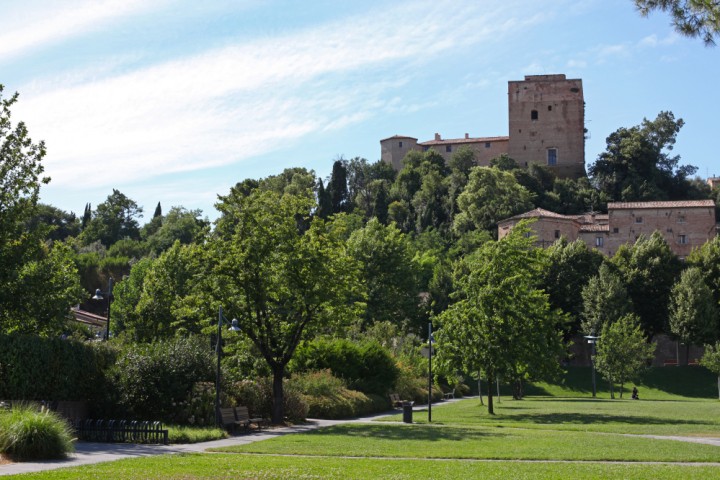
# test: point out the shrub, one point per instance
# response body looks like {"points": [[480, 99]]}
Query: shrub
{"points": [[185, 434], [71, 370], [29, 434], [257, 396], [156, 380], [327, 396], [367, 367]]}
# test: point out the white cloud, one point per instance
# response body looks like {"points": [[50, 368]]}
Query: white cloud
{"points": [[236, 102], [47, 23]]}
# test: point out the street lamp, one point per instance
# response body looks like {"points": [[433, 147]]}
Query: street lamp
{"points": [[99, 296], [592, 340], [431, 342], [218, 348]]}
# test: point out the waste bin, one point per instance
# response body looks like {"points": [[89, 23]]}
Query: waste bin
{"points": [[407, 412]]}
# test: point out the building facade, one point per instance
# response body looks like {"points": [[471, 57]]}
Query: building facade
{"points": [[546, 125], [684, 225]]}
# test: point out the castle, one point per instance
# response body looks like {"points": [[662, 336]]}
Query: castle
{"points": [[546, 125]]}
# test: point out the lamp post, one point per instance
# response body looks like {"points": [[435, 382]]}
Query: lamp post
{"points": [[431, 341], [592, 340], [218, 348], [99, 296]]}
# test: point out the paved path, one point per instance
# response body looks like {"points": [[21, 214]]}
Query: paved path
{"points": [[88, 453]]}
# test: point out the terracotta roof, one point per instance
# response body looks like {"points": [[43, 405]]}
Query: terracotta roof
{"points": [[89, 318], [675, 204], [398, 136], [541, 212], [464, 140]]}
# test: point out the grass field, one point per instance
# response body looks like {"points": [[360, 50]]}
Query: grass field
{"points": [[567, 435]]}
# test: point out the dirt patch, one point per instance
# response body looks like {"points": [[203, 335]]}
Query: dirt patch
{"points": [[4, 460]]}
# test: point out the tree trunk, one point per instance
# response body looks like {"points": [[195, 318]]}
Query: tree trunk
{"points": [[718, 386], [278, 411], [490, 395], [622, 386], [687, 354], [480, 388], [677, 352], [612, 391]]}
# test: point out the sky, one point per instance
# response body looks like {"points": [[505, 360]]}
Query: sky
{"points": [[175, 101]]}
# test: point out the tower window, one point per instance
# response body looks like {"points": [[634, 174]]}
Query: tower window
{"points": [[552, 156], [549, 108], [487, 144], [682, 239], [400, 144], [638, 220], [557, 233], [448, 148], [534, 115], [598, 241]]}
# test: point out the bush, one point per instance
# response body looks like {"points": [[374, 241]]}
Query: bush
{"points": [[71, 370], [156, 381], [29, 434], [367, 367], [257, 396], [327, 397]]}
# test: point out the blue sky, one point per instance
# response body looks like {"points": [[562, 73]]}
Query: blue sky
{"points": [[176, 101]]}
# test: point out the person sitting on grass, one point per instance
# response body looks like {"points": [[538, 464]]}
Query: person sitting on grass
{"points": [[635, 395]]}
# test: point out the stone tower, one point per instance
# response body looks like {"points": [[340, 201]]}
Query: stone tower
{"points": [[394, 149], [547, 123]]}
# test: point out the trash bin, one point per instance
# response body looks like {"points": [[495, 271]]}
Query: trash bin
{"points": [[407, 412]]}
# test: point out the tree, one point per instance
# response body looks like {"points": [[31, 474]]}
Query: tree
{"points": [[158, 211], [337, 188], [693, 314], [622, 351], [38, 283], [181, 225], [692, 18], [501, 322], [649, 269], [711, 360], [637, 165], [62, 224], [387, 272], [284, 282], [707, 259], [605, 300], [324, 209], [114, 219], [490, 196], [571, 265]]}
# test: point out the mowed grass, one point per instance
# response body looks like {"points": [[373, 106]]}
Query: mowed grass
{"points": [[211, 466], [649, 417], [569, 435]]}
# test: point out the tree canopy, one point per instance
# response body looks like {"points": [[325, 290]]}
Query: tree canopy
{"points": [[692, 18]]}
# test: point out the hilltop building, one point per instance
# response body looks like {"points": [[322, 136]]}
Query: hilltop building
{"points": [[546, 125], [684, 225]]}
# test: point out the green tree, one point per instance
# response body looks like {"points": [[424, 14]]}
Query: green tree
{"points": [[622, 351], [571, 265], [693, 312], [61, 223], [711, 360], [707, 260], [605, 300], [114, 219], [692, 18], [38, 283], [649, 269], [490, 196], [387, 273], [637, 165], [337, 188], [501, 323], [181, 225], [282, 281]]}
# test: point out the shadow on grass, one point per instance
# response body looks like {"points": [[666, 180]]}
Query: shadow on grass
{"points": [[587, 419], [423, 433]]}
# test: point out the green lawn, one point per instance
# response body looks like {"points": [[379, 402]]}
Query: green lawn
{"points": [[568, 435], [225, 466]]}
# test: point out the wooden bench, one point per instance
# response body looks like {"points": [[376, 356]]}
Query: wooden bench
{"points": [[396, 401], [242, 414], [229, 421]]}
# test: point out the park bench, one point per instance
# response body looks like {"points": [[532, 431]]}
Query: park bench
{"points": [[242, 414], [449, 395], [229, 420], [670, 362], [395, 400]]}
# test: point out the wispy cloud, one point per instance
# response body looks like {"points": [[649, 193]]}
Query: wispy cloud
{"points": [[49, 23], [235, 102]]}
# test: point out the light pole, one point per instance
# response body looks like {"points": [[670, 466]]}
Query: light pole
{"points": [[592, 340], [99, 296], [431, 341], [218, 348]]}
